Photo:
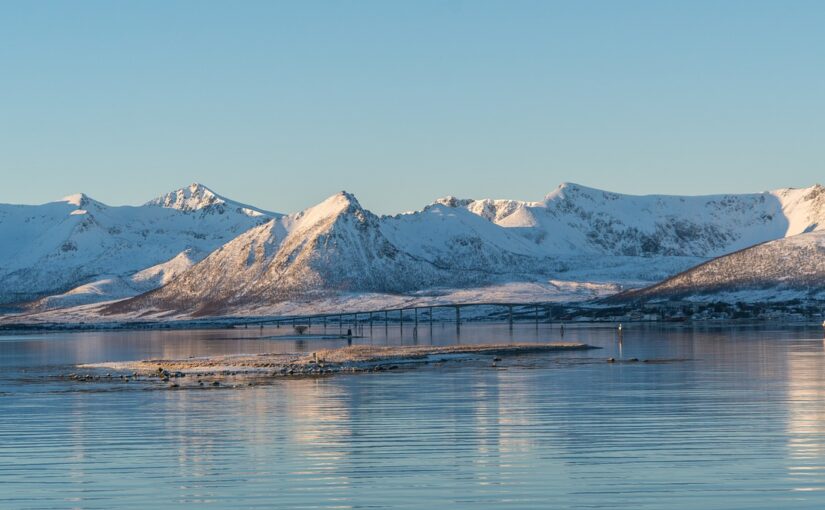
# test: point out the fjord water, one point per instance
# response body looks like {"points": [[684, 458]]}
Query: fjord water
{"points": [[727, 418]]}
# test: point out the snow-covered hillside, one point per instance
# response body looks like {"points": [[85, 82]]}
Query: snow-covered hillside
{"points": [[336, 246], [109, 287], [576, 234], [214, 255], [52, 248], [780, 270], [577, 220]]}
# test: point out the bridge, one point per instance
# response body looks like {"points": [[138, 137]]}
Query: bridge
{"points": [[535, 312]]}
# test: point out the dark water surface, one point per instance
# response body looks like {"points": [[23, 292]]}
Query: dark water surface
{"points": [[738, 422]]}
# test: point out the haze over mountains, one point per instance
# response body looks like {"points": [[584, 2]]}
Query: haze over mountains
{"points": [[193, 251]]}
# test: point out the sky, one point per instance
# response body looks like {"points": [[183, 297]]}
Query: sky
{"points": [[281, 104]]}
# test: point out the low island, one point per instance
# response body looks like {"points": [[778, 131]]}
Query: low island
{"points": [[355, 358]]}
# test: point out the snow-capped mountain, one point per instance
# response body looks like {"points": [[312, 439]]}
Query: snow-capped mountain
{"points": [[779, 270], [577, 234], [52, 248], [198, 198], [578, 220], [334, 246], [214, 255], [108, 287], [583, 234]]}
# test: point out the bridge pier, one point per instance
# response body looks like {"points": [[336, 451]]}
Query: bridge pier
{"points": [[355, 320]]}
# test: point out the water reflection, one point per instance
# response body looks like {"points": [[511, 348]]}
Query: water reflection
{"points": [[735, 422], [806, 415]]}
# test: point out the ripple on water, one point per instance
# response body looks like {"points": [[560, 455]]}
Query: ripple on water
{"points": [[738, 425]]}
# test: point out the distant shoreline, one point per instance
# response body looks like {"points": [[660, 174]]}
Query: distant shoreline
{"points": [[253, 323]]}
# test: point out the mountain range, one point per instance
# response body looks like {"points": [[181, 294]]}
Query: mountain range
{"points": [[195, 252], [78, 249]]}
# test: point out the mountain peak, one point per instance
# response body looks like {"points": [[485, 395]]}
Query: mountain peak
{"points": [[198, 197], [341, 201], [194, 197], [816, 190], [349, 197], [451, 201], [339, 204], [78, 199], [81, 201], [198, 189], [568, 190]]}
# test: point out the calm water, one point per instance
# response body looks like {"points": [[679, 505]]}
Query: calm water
{"points": [[738, 422]]}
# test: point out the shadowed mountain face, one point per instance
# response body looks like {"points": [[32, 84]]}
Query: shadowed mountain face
{"points": [[783, 269], [339, 247]]}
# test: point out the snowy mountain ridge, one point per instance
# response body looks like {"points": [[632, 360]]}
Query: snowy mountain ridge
{"points": [[578, 234], [49, 249], [197, 197], [598, 221], [237, 256]]}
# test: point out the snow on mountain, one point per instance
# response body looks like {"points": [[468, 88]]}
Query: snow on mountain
{"points": [[576, 234], [197, 197], [109, 287], [51, 248], [577, 220], [779, 270], [336, 246], [454, 238], [238, 257]]}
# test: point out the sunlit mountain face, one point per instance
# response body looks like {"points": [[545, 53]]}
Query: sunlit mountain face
{"points": [[193, 251]]}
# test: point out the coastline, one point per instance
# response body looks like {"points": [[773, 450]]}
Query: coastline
{"points": [[350, 359]]}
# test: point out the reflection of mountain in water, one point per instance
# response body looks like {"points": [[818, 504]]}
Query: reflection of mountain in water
{"points": [[806, 417]]}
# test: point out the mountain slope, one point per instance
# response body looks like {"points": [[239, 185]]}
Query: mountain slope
{"points": [[577, 220], [109, 287], [456, 239], [51, 248], [585, 234], [240, 257], [336, 246], [783, 269]]}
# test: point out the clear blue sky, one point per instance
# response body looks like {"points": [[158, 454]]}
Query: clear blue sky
{"points": [[281, 104]]}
